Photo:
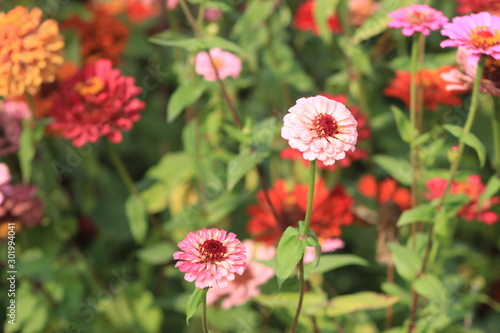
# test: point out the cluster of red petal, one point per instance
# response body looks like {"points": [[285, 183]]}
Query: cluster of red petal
{"points": [[477, 6], [304, 19], [434, 88], [384, 191], [331, 210], [97, 101], [103, 37]]}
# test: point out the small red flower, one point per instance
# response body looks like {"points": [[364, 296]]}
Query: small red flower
{"points": [[434, 86], [304, 19], [331, 210], [98, 101], [384, 191]]}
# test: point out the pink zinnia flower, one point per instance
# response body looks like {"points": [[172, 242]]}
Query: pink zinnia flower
{"points": [[211, 257], [5, 178], [212, 14], [12, 114], [478, 33], [246, 286], [98, 101], [417, 18], [226, 63], [320, 128], [473, 188]]}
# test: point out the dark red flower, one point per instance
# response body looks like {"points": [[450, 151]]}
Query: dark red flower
{"points": [[434, 86], [331, 210], [98, 101]]}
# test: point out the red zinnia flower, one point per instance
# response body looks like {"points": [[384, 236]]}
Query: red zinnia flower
{"points": [[386, 190], [331, 210], [97, 101], [477, 6], [434, 86], [304, 19]]}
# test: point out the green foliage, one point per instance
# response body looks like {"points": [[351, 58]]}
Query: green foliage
{"points": [[137, 218], [406, 261], [288, 254], [197, 297]]}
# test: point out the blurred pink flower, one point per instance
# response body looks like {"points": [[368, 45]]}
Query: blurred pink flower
{"points": [[98, 101], [246, 286], [327, 245], [212, 14], [210, 257], [171, 4], [20, 204], [490, 83], [478, 33], [12, 114], [5, 178], [226, 63], [320, 128], [417, 18], [473, 188]]}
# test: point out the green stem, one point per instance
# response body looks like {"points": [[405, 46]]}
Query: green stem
{"points": [[204, 314], [120, 168], [310, 197], [302, 286], [413, 120], [496, 133]]}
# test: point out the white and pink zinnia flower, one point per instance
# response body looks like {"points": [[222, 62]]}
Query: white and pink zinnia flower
{"points": [[417, 18], [226, 63], [211, 257], [246, 286], [478, 33], [321, 129]]}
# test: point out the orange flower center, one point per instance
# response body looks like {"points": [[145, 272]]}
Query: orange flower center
{"points": [[218, 63], [91, 86], [417, 16], [492, 64], [483, 38], [325, 125], [212, 251]]}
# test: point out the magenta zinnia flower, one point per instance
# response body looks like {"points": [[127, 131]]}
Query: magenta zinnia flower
{"points": [[321, 129], [98, 101], [12, 114], [478, 33], [417, 18], [211, 257], [226, 63]]}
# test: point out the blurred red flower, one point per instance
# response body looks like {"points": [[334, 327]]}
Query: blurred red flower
{"points": [[97, 101], [473, 188], [103, 37], [331, 210], [364, 132], [434, 87], [477, 6], [384, 191]]}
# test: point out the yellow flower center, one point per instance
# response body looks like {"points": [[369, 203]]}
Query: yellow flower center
{"points": [[91, 86], [483, 38]]}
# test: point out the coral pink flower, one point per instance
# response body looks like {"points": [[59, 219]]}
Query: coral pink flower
{"points": [[5, 178], [384, 191], [417, 18], [98, 101], [211, 257], [12, 114], [478, 33], [226, 63], [477, 6], [473, 188], [171, 4], [321, 129], [327, 245], [246, 286], [212, 14]]}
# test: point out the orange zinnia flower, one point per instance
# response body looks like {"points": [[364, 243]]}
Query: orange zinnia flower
{"points": [[104, 37], [434, 86], [31, 51]]}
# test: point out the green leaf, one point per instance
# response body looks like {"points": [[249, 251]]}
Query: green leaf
{"points": [[357, 55], [470, 140], [197, 297], [330, 262], [312, 241], [397, 168], [491, 189], [185, 95], [323, 10], [26, 150], [172, 39], [429, 286], [406, 131], [290, 250], [215, 41], [421, 213], [159, 253], [135, 208], [346, 304], [406, 261], [240, 166]]}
